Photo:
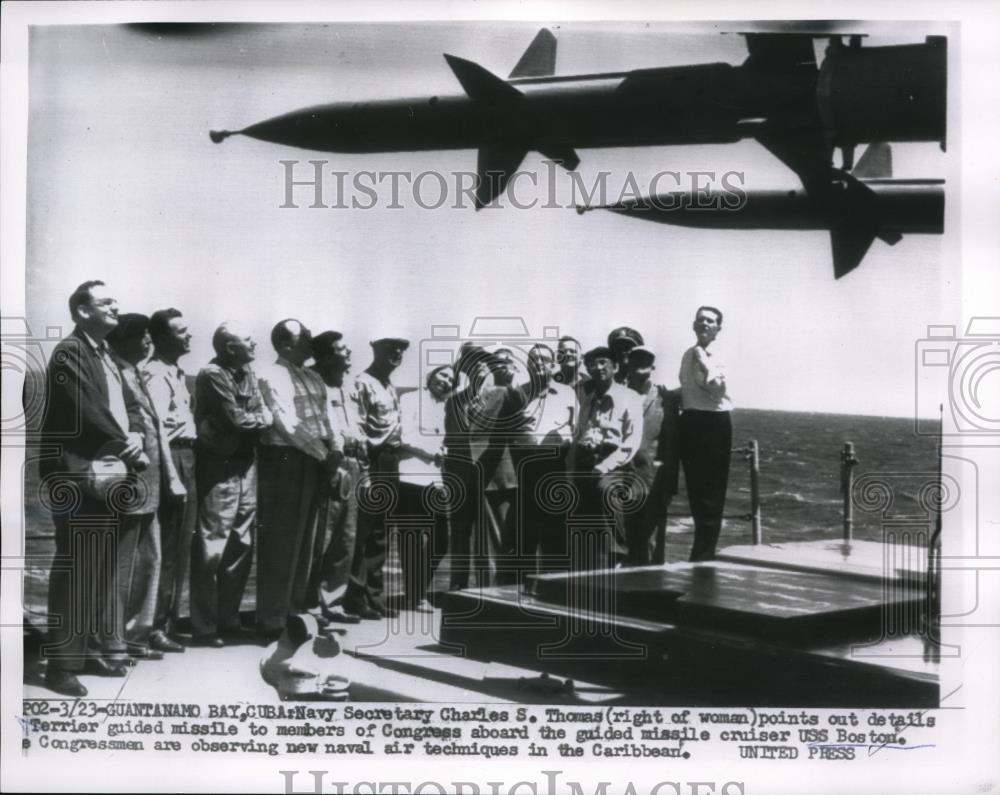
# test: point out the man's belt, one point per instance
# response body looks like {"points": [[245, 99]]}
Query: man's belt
{"points": [[182, 444]]}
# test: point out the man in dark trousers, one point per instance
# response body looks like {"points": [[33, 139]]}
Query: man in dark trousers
{"points": [[469, 413], [292, 454], [90, 416], [706, 432]]}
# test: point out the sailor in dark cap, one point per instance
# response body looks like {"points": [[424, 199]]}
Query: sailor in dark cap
{"points": [[656, 462], [621, 341]]}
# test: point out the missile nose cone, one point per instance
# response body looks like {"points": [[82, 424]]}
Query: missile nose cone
{"points": [[218, 136]]}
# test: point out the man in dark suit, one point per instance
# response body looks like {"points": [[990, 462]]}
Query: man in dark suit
{"points": [[478, 458], [89, 415]]}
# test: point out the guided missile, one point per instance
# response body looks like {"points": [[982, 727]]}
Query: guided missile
{"points": [[856, 208], [798, 110]]}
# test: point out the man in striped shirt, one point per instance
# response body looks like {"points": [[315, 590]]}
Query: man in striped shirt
{"points": [[292, 453], [378, 406]]}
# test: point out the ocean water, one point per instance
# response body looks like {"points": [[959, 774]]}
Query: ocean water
{"points": [[800, 484], [801, 496], [800, 480]]}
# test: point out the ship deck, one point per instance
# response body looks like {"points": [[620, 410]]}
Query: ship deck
{"points": [[800, 624]]}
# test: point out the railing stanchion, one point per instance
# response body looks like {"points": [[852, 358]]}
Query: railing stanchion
{"points": [[751, 455], [847, 463], [755, 527]]}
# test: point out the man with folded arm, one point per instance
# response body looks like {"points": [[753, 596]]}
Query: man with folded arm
{"points": [[229, 416]]}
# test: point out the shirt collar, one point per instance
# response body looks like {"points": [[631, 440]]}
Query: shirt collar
{"points": [[237, 372], [169, 365], [283, 362], [613, 393], [100, 347]]}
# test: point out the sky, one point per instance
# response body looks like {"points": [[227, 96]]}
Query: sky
{"points": [[124, 185]]}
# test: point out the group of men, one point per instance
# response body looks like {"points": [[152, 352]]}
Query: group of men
{"points": [[152, 487]]}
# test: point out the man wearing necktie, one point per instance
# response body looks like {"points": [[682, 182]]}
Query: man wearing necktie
{"points": [[139, 540], [88, 416]]}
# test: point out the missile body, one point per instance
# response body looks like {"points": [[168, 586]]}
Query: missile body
{"points": [[709, 103], [855, 211], [906, 206], [796, 109]]}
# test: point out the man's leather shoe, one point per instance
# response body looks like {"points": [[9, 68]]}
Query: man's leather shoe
{"points": [[160, 642], [238, 634], [340, 616], [208, 641], [64, 683], [367, 613], [269, 636], [95, 666], [385, 612], [140, 651], [421, 606]]}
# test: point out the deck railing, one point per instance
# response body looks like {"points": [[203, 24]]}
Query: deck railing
{"points": [[751, 454]]}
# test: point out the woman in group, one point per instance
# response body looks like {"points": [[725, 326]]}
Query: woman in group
{"points": [[423, 495]]}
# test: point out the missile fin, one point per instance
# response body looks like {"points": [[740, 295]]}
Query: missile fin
{"points": [[539, 60], [875, 163], [805, 153], [862, 205], [496, 164], [563, 155], [858, 221], [480, 83], [850, 243]]}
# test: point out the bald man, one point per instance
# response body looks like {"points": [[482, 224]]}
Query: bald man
{"points": [[229, 415], [292, 455]]}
